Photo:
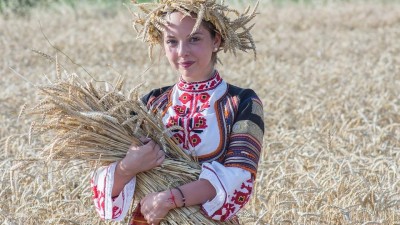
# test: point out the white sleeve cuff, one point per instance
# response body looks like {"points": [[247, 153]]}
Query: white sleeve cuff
{"points": [[208, 173], [227, 181], [117, 208]]}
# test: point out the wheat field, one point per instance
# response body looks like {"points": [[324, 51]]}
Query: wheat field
{"points": [[328, 76]]}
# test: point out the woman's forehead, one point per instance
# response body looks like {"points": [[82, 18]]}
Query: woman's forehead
{"points": [[176, 15], [180, 24]]}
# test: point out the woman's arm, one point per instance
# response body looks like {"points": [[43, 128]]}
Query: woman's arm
{"points": [[156, 206], [113, 186], [195, 193], [121, 178], [220, 190], [137, 159]]}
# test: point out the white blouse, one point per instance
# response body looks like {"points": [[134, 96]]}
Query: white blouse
{"points": [[193, 107]]}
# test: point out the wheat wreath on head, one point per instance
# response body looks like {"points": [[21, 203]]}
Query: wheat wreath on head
{"points": [[233, 26]]}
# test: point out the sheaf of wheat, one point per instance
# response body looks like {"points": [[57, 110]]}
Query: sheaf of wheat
{"points": [[97, 125]]}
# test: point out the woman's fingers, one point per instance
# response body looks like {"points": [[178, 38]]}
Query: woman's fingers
{"points": [[156, 147], [143, 158], [150, 144], [145, 140], [149, 217], [144, 211], [160, 153], [160, 156], [160, 160]]}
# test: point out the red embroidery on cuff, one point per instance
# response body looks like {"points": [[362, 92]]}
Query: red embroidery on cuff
{"points": [[240, 197]]}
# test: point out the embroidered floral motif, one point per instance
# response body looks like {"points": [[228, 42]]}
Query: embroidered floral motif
{"points": [[225, 211], [185, 98], [203, 97], [172, 121], [189, 116], [179, 138], [240, 197], [199, 122], [180, 110], [195, 140]]}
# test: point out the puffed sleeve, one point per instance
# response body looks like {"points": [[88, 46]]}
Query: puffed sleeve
{"points": [[233, 177], [233, 186], [246, 138], [107, 206]]}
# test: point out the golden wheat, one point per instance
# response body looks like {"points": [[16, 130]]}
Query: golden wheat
{"points": [[328, 77], [89, 124], [234, 32]]}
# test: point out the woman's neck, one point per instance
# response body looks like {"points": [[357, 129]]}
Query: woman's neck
{"points": [[191, 80]]}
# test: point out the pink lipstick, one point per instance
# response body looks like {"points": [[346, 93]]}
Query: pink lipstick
{"points": [[186, 64]]}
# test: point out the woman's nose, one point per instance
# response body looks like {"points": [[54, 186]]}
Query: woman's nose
{"points": [[183, 49]]}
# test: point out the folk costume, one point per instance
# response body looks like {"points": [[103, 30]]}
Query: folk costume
{"points": [[222, 125]]}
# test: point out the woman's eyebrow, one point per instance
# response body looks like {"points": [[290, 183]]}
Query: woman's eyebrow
{"points": [[195, 33], [190, 35]]}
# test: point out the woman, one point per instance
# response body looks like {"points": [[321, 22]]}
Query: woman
{"points": [[222, 124]]}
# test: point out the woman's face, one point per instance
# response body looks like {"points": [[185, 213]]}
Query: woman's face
{"points": [[191, 55]]}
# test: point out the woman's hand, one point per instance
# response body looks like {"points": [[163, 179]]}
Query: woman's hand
{"points": [[142, 158], [155, 206], [137, 159]]}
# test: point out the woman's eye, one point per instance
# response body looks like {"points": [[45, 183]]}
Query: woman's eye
{"points": [[194, 39], [171, 42]]}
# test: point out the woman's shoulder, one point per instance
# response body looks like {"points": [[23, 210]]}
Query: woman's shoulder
{"points": [[155, 93], [242, 94], [160, 90], [250, 107]]}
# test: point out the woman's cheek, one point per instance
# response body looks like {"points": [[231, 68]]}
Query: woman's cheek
{"points": [[171, 56]]}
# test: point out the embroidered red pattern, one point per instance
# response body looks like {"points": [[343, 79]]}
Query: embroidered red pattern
{"points": [[236, 202], [189, 115], [209, 84], [99, 202], [99, 199], [117, 211]]}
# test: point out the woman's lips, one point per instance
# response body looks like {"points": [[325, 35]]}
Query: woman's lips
{"points": [[186, 64]]}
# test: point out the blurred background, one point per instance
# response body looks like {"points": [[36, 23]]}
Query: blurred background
{"points": [[327, 72]]}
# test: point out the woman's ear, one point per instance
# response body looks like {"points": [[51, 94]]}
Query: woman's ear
{"points": [[217, 42]]}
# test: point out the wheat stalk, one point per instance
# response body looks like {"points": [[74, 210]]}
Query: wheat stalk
{"points": [[234, 32], [88, 123]]}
